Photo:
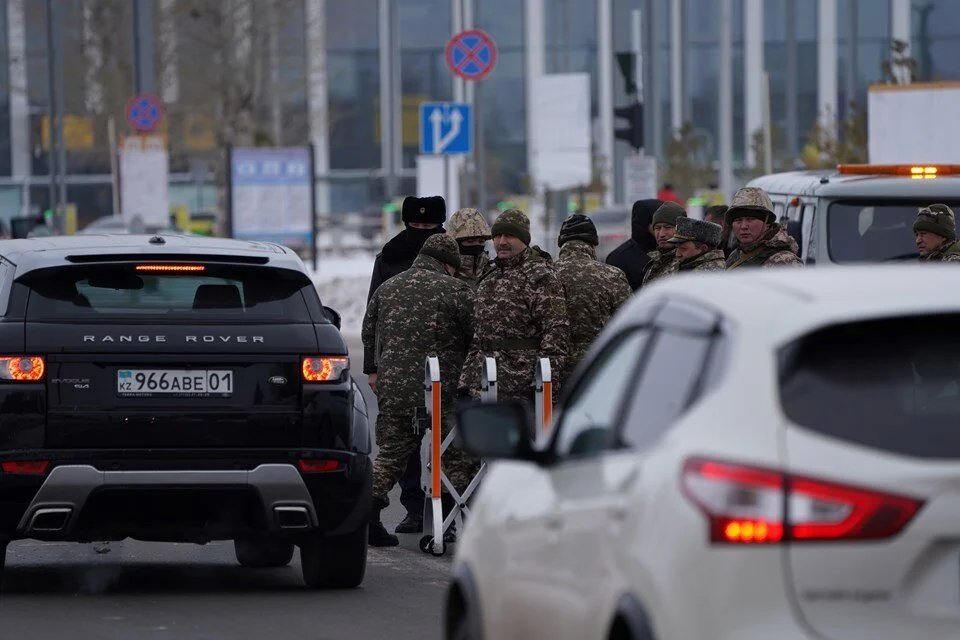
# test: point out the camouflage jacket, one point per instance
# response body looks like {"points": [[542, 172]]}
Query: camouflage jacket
{"points": [[663, 262], [948, 252], [419, 312], [709, 261], [472, 268], [594, 292], [775, 249], [521, 315]]}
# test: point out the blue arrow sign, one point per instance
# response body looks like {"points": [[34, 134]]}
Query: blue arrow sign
{"points": [[446, 128]]}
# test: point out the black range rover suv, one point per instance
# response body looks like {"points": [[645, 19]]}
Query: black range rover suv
{"points": [[181, 389]]}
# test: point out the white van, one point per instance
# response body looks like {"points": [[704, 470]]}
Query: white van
{"points": [[858, 213]]}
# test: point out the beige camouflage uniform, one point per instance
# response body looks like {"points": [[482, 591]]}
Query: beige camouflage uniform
{"points": [[940, 220], [521, 316], [594, 291], [776, 248], [468, 224], [703, 233]]}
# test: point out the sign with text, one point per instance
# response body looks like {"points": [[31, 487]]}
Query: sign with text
{"points": [[144, 180], [272, 195]]}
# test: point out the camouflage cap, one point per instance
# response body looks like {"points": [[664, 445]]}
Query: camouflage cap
{"points": [[693, 230], [750, 202], [937, 219], [442, 247], [512, 222], [468, 223]]}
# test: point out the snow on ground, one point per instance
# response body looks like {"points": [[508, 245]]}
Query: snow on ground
{"points": [[342, 281]]}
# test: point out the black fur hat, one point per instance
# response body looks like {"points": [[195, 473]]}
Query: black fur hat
{"points": [[429, 210]]}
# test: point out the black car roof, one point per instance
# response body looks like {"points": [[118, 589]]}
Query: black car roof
{"points": [[51, 251]]}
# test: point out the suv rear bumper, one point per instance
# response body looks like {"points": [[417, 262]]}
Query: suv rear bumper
{"points": [[80, 502]]}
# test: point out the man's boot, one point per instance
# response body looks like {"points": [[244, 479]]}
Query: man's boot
{"points": [[412, 523], [378, 536]]}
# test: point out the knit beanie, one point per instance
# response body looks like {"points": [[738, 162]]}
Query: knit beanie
{"points": [[578, 227], [512, 222], [937, 219], [444, 248], [668, 212]]}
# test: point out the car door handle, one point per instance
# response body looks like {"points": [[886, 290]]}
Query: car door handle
{"points": [[553, 523]]}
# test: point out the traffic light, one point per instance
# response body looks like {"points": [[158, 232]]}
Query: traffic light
{"points": [[633, 133]]}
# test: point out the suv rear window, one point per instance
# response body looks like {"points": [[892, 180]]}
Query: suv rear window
{"points": [[868, 231], [219, 293], [890, 384]]}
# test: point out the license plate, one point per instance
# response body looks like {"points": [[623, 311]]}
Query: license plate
{"points": [[175, 382]]}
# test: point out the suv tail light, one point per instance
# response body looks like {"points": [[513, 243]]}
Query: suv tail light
{"points": [[751, 505], [324, 368], [22, 368]]}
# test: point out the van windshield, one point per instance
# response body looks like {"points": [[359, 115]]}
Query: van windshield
{"points": [[865, 231]]}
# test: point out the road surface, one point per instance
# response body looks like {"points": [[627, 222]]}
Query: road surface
{"points": [[142, 591]]}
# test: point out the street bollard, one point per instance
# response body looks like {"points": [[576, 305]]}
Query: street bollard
{"points": [[488, 384], [543, 399]]}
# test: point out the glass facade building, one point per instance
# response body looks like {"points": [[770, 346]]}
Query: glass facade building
{"points": [[818, 54]]}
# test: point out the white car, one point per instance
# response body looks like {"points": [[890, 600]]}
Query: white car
{"points": [[772, 454]]}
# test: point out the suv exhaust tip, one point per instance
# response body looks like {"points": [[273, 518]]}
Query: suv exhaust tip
{"points": [[292, 517], [50, 519]]}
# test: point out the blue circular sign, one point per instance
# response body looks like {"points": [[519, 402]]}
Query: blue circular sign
{"points": [[471, 54], [144, 112]]}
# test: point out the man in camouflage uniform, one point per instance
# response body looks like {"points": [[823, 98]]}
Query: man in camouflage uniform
{"points": [[471, 231], [717, 214], [521, 314], [935, 230], [423, 311], [761, 240], [663, 259], [594, 291], [696, 242]]}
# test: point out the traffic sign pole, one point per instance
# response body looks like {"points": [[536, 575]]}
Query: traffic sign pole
{"points": [[472, 56]]}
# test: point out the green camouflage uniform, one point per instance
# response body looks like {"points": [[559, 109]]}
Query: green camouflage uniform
{"points": [[776, 248], [419, 312], [521, 316], [594, 292], [940, 220], [663, 260]]}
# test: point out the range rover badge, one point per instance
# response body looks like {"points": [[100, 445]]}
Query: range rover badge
{"points": [[277, 380]]}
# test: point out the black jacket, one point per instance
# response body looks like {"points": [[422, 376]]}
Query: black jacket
{"points": [[396, 257], [631, 256]]}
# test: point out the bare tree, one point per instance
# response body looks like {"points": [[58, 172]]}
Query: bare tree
{"points": [[847, 144], [688, 166], [781, 159]]}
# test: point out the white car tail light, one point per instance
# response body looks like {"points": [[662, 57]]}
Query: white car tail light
{"points": [[751, 505]]}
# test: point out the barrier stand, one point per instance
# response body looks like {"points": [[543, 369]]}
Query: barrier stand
{"points": [[433, 519], [543, 399], [488, 384]]}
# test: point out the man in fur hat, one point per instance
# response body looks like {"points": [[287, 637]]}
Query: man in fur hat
{"points": [[697, 243]]}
